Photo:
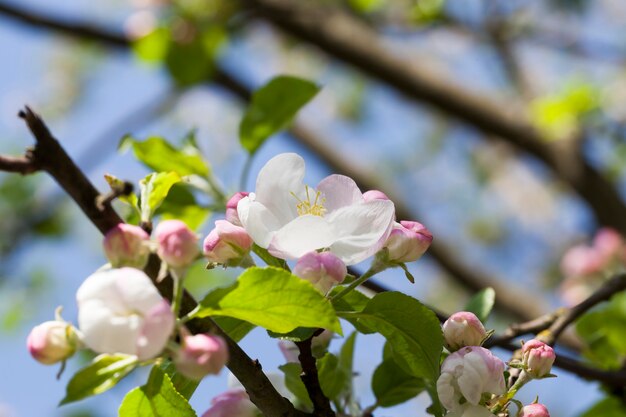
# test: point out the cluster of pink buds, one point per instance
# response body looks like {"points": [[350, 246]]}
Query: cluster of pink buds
{"points": [[128, 245], [472, 378], [585, 267]]}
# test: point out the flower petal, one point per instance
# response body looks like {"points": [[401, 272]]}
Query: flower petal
{"points": [[339, 191], [304, 234], [258, 220], [361, 229], [281, 176], [155, 331], [104, 332]]}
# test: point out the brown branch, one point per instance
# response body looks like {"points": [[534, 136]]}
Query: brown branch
{"points": [[20, 164], [347, 39], [75, 30], [242, 365], [310, 378], [508, 299], [48, 155], [604, 293]]}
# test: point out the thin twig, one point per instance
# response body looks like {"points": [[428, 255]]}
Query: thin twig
{"points": [[310, 378]]}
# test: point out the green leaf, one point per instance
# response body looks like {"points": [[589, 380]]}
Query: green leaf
{"points": [[274, 299], [559, 115], [603, 332], [272, 107], [346, 354], [482, 303], [412, 330], [333, 378], [158, 398], [159, 155], [294, 383], [181, 204], [154, 189], [191, 62], [268, 258], [183, 385], [392, 386], [235, 328], [608, 407], [101, 375], [354, 301], [152, 47]]}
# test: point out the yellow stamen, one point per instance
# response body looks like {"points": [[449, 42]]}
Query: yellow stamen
{"points": [[306, 207]]}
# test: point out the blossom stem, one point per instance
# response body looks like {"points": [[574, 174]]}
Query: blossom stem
{"points": [[177, 295], [374, 269], [505, 399]]}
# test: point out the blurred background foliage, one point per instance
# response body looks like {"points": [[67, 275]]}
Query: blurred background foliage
{"points": [[173, 77]]}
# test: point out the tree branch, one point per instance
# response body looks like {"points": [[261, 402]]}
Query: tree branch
{"points": [[347, 39], [48, 155], [510, 300], [310, 378], [80, 30], [21, 164]]}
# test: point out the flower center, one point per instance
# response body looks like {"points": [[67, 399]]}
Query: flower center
{"points": [[315, 207]]}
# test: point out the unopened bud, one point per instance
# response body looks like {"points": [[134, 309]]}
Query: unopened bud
{"points": [[463, 329], [52, 342], [231, 208], [127, 245], [323, 270], [178, 244], [534, 410], [234, 403], [227, 244], [537, 358], [372, 195], [408, 241], [200, 355]]}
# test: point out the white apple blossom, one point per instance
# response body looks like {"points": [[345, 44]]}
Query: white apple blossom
{"points": [[470, 410], [291, 219], [121, 311]]}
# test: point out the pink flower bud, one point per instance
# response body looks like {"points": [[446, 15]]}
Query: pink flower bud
{"points": [[463, 329], [234, 403], [467, 374], [177, 243], [231, 207], [534, 410], [200, 355], [323, 270], [372, 195], [538, 358], [408, 241], [581, 261], [608, 242], [127, 245], [227, 244], [52, 341]]}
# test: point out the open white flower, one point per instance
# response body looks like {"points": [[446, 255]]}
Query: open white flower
{"points": [[290, 219], [121, 311]]}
